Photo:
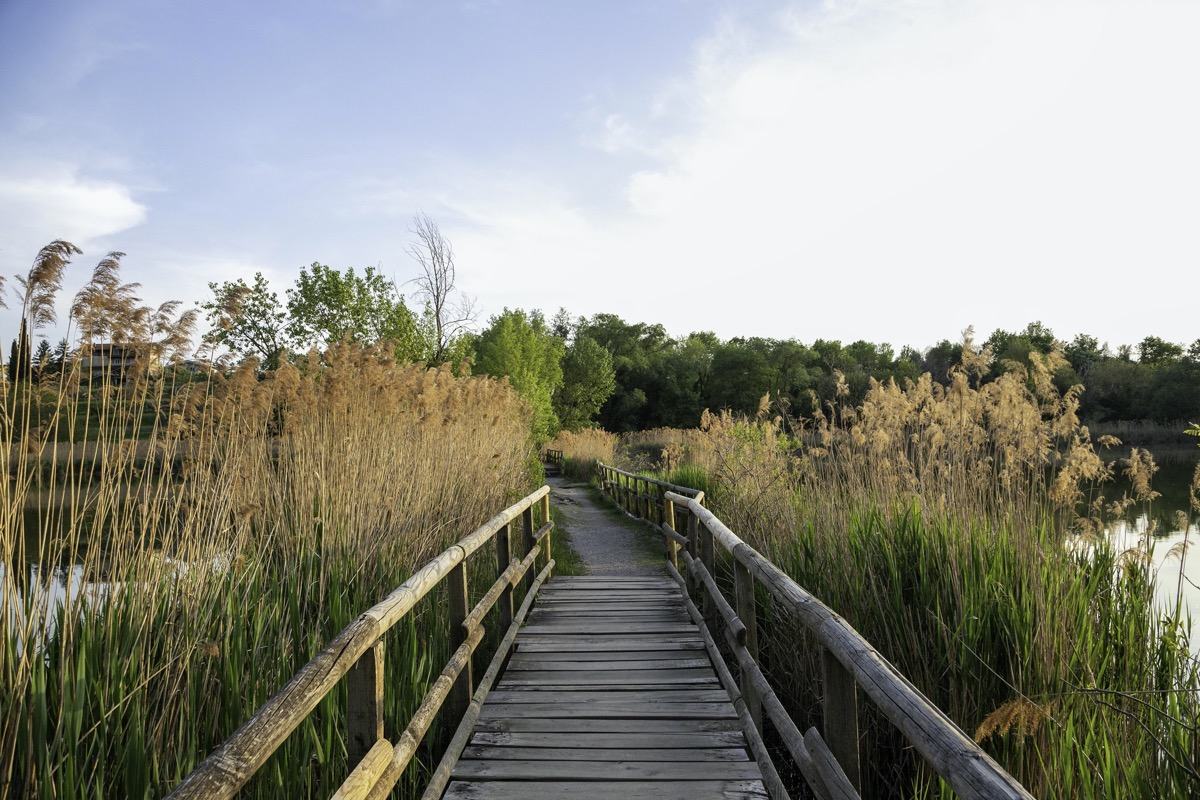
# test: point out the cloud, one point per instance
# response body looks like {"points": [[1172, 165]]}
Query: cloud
{"points": [[895, 172], [57, 203]]}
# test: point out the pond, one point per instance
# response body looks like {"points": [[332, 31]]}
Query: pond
{"points": [[1174, 547]]}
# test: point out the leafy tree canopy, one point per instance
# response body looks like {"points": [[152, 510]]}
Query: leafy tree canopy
{"points": [[521, 347]]}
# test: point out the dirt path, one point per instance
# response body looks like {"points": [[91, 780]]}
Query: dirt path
{"points": [[607, 541]]}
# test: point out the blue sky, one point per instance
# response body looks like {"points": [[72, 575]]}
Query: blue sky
{"points": [[889, 170]]}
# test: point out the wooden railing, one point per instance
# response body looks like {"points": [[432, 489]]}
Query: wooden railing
{"points": [[551, 456], [639, 495], [828, 760], [357, 654]]}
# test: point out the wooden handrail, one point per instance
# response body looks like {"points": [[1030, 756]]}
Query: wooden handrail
{"points": [[852, 664], [357, 652], [829, 763]]}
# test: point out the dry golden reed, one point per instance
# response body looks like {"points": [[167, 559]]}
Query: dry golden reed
{"points": [[215, 534]]}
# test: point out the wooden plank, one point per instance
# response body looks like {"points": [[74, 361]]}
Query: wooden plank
{"points": [[610, 677], [620, 741], [604, 770], [608, 790], [635, 664], [524, 656], [509, 753], [610, 710], [616, 695], [604, 643], [577, 725], [601, 626], [569, 686]]}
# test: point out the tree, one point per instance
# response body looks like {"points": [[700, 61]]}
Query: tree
{"points": [[327, 306], [20, 364], [1156, 352], [248, 321], [448, 312], [588, 380], [42, 359], [521, 347]]}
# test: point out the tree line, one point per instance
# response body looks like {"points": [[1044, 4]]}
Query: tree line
{"points": [[575, 372]]}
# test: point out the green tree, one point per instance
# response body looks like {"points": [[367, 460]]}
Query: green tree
{"points": [[20, 362], [522, 348], [637, 350], [327, 306], [1156, 352], [588, 380], [247, 320], [42, 358]]}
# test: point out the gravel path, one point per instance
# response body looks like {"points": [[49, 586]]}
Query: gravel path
{"points": [[607, 541]]}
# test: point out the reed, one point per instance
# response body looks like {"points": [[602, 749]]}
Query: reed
{"points": [[955, 528], [213, 536], [582, 449]]}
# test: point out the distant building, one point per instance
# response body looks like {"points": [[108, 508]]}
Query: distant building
{"points": [[108, 362]]}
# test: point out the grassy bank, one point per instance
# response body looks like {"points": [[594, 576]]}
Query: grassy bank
{"points": [[250, 521]]}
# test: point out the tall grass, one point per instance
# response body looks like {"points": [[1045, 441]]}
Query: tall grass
{"points": [[955, 529], [217, 548], [582, 449]]}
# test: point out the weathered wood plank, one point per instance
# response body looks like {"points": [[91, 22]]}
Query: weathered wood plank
{"points": [[509, 753], [604, 770], [524, 656], [601, 626], [610, 710], [613, 696], [541, 643], [691, 740], [608, 790], [610, 677], [577, 725], [634, 664]]}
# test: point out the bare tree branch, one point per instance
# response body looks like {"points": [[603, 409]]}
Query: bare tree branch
{"points": [[452, 312]]}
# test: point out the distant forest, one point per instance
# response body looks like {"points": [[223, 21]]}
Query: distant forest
{"points": [[666, 381]]}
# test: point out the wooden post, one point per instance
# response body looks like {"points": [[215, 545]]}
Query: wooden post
{"points": [[748, 613], [527, 547], [709, 558], [547, 551], [460, 607], [364, 710], [841, 716], [503, 559], [668, 515], [662, 504], [693, 535]]}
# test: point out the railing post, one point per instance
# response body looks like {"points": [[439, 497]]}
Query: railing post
{"points": [[693, 535], [668, 515], [547, 552], [460, 607], [503, 559], [527, 536], [709, 558], [662, 503], [747, 612], [841, 716], [364, 710]]}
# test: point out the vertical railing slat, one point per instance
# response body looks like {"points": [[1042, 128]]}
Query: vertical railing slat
{"points": [[459, 607], [841, 716], [364, 711], [747, 612]]}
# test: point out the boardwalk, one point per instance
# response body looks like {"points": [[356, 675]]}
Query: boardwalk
{"points": [[610, 693]]}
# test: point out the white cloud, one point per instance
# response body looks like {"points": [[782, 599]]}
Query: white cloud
{"points": [[57, 203], [896, 172]]}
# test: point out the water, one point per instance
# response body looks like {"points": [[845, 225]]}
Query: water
{"points": [[1176, 570]]}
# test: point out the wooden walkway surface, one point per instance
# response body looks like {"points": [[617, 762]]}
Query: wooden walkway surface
{"points": [[609, 694]]}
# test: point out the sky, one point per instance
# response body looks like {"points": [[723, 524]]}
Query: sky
{"points": [[887, 170]]}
